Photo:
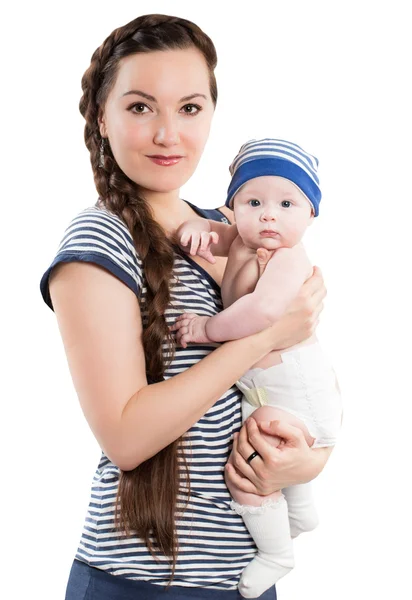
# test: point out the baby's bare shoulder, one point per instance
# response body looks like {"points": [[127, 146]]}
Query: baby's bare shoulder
{"points": [[239, 250]]}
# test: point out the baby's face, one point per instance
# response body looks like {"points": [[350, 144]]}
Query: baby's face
{"points": [[271, 212]]}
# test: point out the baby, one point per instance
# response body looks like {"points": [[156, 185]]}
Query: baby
{"points": [[275, 195]]}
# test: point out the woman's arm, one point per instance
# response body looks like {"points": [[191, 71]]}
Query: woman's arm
{"points": [[100, 323]]}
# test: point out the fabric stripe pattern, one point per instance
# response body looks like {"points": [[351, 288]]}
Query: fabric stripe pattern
{"points": [[214, 543]]}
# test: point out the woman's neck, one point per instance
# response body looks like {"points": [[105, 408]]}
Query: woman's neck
{"points": [[169, 210]]}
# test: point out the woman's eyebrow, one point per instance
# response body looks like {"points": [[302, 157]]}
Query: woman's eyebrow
{"points": [[187, 98], [153, 99]]}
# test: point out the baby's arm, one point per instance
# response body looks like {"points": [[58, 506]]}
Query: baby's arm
{"points": [[197, 235], [280, 283]]}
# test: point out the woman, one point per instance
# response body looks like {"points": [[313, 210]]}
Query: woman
{"points": [[164, 416]]}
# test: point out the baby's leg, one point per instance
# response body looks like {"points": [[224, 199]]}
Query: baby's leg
{"points": [[266, 413], [254, 499], [301, 508], [266, 518]]}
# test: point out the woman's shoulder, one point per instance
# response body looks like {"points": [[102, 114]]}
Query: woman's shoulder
{"points": [[98, 236], [97, 216], [222, 213], [98, 230]]}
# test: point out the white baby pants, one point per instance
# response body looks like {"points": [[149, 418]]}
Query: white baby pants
{"points": [[305, 385]]}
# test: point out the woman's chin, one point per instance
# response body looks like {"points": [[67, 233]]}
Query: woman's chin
{"points": [[164, 185]]}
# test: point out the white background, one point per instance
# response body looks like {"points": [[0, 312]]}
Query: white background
{"points": [[333, 77]]}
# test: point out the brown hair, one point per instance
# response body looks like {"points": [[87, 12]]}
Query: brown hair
{"points": [[147, 495]]}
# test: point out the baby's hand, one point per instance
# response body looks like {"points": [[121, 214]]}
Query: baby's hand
{"points": [[199, 242], [263, 257], [190, 328]]}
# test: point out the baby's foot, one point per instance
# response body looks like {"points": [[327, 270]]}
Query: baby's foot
{"points": [[262, 573]]}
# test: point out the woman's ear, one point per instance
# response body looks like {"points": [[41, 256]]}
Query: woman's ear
{"points": [[102, 124]]}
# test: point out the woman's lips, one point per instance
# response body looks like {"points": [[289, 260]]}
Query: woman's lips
{"points": [[165, 161]]}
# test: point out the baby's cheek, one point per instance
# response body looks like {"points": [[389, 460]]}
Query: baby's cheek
{"points": [[295, 232]]}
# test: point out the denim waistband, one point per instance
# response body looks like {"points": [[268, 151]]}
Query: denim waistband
{"points": [[89, 583]]}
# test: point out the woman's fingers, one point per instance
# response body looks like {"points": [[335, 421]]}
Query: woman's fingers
{"points": [[315, 284], [243, 445], [240, 465], [257, 441], [317, 312], [240, 482], [293, 436], [248, 441]]}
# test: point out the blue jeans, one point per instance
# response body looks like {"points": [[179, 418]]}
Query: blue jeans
{"points": [[88, 583]]}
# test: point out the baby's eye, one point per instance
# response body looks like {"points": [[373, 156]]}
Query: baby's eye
{"points": [[254, 202], [286, 203]]}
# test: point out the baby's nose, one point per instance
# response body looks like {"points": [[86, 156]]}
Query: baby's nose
{"points": [[269, 215]]}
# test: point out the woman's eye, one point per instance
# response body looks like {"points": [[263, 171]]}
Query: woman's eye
{"points": [[286, 203], [191, 109], [254, 202], [138, 108]]}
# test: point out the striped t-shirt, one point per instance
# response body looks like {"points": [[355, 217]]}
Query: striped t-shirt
{"points": [[214, 545]]}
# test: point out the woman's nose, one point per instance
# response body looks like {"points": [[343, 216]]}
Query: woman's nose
{"points": [[167, 133]]}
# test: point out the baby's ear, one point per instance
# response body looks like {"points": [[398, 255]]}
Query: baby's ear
{"points": [[311, 218]]}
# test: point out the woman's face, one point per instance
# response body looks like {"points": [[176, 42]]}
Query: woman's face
{"points": [[160, 106]]}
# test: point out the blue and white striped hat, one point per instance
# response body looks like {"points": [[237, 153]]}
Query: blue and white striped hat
{"points": [[258, 158]]}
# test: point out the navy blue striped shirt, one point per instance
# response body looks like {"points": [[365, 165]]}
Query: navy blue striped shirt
{"points": [[214, 545]]}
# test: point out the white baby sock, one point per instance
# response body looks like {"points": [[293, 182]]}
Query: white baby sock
{"points": [[302, 512], [269, 526]]}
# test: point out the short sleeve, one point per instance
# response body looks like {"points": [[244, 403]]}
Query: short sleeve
{"points": [[98, 236]]}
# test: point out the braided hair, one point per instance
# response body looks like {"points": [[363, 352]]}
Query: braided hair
{"points": [[147, 496]]}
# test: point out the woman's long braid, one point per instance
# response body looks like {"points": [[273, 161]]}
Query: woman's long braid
{"points": [[148, 493], [120, 195]]}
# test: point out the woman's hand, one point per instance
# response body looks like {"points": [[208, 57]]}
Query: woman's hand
{"points": [[300, 320], [290, 463]]}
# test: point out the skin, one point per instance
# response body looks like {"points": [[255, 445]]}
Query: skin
{"points": [[272, 214], [137, 127], [263, 205], [114, 394], [271, 203]]}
